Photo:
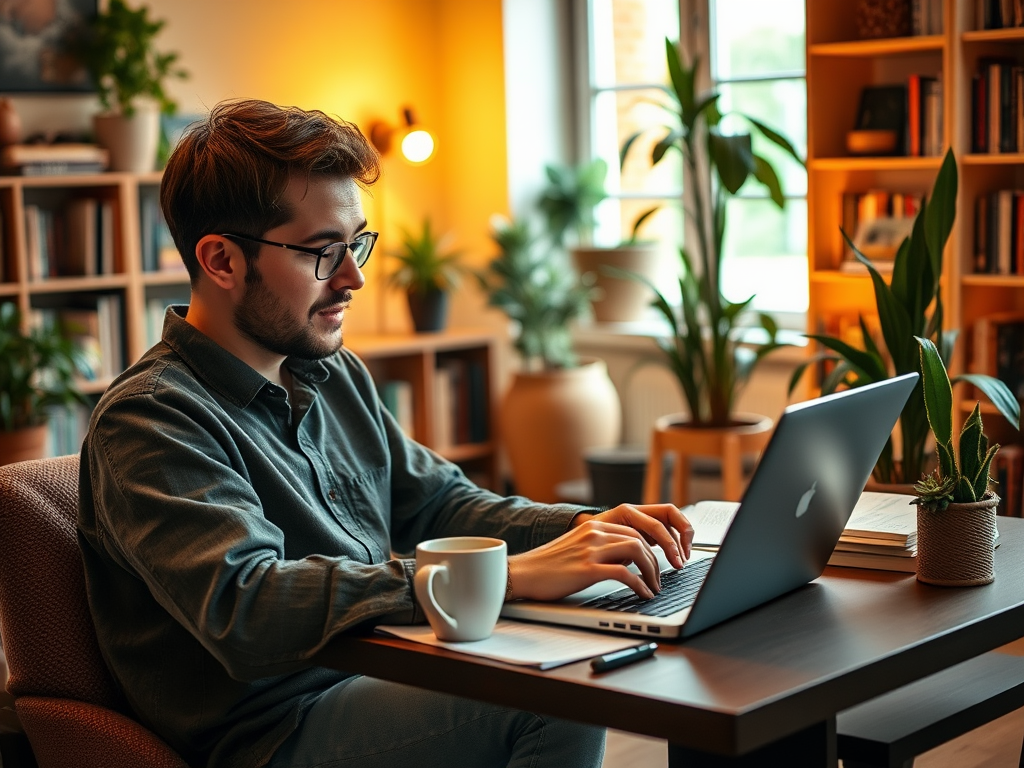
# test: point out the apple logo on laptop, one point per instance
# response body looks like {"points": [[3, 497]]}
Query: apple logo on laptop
{"points": [[805, 500]]}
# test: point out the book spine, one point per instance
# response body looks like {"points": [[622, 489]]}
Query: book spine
{"points": [[914, 116]]}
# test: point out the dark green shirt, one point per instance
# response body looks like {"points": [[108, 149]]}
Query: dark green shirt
{"points": [[229, 533]]}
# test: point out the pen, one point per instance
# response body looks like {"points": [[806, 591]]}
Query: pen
{"points": [[621, 658]]}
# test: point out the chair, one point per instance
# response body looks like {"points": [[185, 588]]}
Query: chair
{"points": [[65, 697]]}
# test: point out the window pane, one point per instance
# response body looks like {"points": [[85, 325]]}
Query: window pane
{"points": [[754, 37], [616, 219], [619, 114], [782, 106], [766, 254], [629, 40]]}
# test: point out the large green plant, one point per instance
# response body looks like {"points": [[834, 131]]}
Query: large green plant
{"points": [[37, 371], [426, 261], [706, 350], [116, 49], [909, 307], [533, 286], [965, 477]]}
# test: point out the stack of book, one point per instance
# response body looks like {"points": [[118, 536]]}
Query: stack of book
{"points": [[52, 159], [881, 534]]}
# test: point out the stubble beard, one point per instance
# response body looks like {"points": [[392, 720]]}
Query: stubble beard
{"points": [[262, 317]]}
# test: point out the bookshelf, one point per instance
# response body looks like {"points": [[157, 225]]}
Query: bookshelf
{"points": [[450, 380], [839, 67], [124, 272]]}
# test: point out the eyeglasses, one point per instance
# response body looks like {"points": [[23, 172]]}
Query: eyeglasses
{"points": [[328, 258]]}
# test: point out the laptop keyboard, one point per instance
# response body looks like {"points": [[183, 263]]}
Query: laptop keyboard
{"points": [[678, 590]]}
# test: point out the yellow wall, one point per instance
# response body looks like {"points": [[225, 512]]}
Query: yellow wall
{"points": [[363, 61]]}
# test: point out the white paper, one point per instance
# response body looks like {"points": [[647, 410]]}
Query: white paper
{"points": [[710, 521], [889, 515], [515, 642]]}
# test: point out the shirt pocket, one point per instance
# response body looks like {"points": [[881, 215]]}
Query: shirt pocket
{"points": [[362, 506]]}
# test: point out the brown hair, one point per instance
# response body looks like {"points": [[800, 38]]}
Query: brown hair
{"points": [[229, 171]]}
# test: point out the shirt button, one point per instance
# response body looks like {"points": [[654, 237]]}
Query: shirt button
{"points": [[332, 495]]}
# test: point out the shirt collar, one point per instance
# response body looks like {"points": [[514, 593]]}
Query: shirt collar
{"points": [[221, 370]]}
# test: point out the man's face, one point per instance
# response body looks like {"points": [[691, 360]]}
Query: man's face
{"points": [[285, 309]]}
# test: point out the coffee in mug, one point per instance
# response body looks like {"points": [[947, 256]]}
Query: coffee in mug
{"points": [[460, 583]]}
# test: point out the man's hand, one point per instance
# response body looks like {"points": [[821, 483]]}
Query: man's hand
{"points": [[601, 546]]}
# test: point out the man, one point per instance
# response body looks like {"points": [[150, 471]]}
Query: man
{"points": [[243, 488]]}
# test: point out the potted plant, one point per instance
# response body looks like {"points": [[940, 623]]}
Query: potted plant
{"points": [[568, 203], [956, 510], [37, 372], [557, 407], [428, 270], [116, 48], [909, 307]]}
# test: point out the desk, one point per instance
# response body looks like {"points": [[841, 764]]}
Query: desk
{"points": [[760, 689]]}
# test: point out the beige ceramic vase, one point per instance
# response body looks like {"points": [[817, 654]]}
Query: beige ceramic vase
{"points": [[955, 546], [131, 141], [620, 300], [549, 419]]}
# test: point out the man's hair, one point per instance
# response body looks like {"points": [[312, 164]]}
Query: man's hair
{"points": [[229, 171]]}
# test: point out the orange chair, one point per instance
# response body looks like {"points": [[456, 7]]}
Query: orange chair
{"points": [[65, 697]]}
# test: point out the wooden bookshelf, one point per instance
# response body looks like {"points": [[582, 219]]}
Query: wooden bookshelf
{"points": [[838, 68], [133, 277]]}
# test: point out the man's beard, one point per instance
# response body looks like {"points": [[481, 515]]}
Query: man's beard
{"points": [[263, 318]]}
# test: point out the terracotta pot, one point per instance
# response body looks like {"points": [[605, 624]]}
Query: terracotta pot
{"points": [[10, 123], [620, 300], [23, 444], [955, 546], [131, 141], [549, 419]]}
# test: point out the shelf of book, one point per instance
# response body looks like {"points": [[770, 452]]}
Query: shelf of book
{"points": [[984, 260]]}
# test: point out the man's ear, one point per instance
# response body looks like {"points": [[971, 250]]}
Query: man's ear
{"points": [[222, 261]]}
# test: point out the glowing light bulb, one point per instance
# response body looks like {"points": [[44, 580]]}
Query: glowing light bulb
{"points": [[417, 146]]}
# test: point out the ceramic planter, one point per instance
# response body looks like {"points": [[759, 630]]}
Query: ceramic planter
{"points": [[620, 300], [549, 419], [131, 141], [955, 546], [23, 444], [429, 310]]}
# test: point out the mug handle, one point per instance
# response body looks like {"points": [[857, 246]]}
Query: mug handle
{"points": [[425, 594]]}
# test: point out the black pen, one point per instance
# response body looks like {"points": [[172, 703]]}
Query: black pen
{"points": [[621, 658]]}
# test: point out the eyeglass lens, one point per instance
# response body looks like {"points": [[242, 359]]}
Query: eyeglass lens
{"points": [[332, 256]]}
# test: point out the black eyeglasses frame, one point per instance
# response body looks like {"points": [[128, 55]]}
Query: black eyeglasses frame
{"points": [[321, 253]]}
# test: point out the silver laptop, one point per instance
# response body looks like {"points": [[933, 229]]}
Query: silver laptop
{"points": [[796, 505]]}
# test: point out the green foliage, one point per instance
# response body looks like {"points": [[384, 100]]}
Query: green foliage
{"points": [[705, 351], [537, 290], [909, 307], [426, 261], [36, 372], [964, 478], [570, 197], [116, 49]]}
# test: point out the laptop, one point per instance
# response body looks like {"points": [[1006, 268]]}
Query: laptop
{"points": [[794, 509]]}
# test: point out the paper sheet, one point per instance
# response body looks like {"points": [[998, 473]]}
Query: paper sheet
{"points": [[516, 642]]}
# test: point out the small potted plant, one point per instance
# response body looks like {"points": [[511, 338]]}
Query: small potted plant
{"points": [[116, 48], [37, 372], [568, 203], [558, 406], [428, 270], [956, 509]]}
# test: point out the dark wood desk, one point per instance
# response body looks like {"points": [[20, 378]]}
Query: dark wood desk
{"points": [[760, 689]]}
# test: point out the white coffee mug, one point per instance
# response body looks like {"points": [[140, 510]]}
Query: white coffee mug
{"points": [[460, 583]]}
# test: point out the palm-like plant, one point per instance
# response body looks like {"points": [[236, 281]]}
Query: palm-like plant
{"points": [[964, 478], [537, 291], [706, 351], [570, 197], [37, 371], [909, 307], [427, 262]]}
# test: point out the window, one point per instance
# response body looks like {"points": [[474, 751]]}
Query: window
{"points": [[756, 51]]}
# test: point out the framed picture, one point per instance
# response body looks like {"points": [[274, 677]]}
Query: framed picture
{"points": [[32, 57]]}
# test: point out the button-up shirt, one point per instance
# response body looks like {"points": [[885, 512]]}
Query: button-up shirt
{"points": [[229, 531]]}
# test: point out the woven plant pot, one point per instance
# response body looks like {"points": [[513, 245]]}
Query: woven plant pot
{"points": [[954, 546]]}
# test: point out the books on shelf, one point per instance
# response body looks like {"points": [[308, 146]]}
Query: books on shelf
{"points": [[460, 402], [998, 14], [159, 253], [75, 240], [52, 159], [999, 232], [997, 107], [876, 220], [397, 396], [998, 349]]}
